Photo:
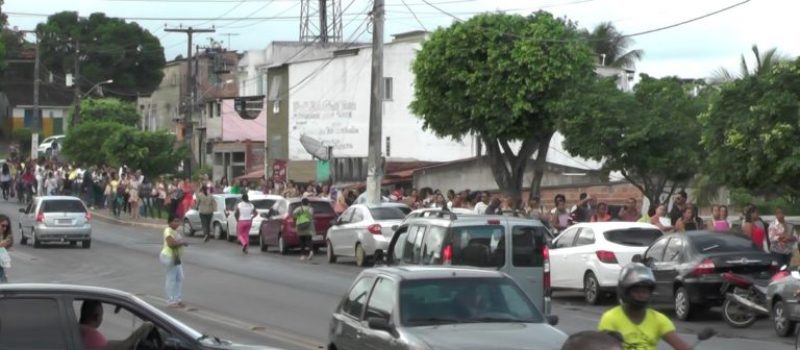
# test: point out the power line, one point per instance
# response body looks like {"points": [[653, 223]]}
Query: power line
{"points": [[415, 15], [688, 20], [239, 4], [252, 14]]}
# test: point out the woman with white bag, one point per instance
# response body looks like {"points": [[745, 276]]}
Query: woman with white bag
{"points": [[6, 242]]}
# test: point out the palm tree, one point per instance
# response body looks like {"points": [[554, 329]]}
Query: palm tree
{"points": [[611, 46], [764, 63]]}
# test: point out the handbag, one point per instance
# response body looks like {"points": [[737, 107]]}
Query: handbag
{"points": [[5, 259]]}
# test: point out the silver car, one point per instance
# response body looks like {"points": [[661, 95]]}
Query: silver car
{"points": [[439, 308], [226, 203], [51, 219], [782, 301], [364, 230]]}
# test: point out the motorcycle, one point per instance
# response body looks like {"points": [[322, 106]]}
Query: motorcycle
{"points": [[745, 298]]}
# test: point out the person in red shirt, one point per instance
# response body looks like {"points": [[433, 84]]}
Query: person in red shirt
{"points": [[91, 319]]}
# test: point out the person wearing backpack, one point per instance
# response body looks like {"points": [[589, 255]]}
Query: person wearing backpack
{"points": [[304, 225]]}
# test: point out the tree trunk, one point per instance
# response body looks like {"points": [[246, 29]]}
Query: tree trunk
{"points": [[508, 168], [538, 167]]}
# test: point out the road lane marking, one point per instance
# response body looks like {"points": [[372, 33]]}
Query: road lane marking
{"points": [[273, 333]]}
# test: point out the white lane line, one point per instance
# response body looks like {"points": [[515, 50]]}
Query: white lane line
{"points": [[227, 321]]}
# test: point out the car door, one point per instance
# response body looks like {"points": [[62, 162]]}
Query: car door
{"points": [[381, 305], [580, 254], [347, 329], [354, 229], [28, 217], [667, 270], [559, 256], [275, 221], [337, 232], [527, 262], [654, 257], [35, 323]]}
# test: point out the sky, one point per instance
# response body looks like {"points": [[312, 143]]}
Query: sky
{"points": [[693, 50]]}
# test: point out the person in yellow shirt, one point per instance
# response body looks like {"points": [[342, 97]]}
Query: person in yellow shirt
{"points": [[641, 327]]}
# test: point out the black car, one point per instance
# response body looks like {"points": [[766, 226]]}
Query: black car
{"points": [[688, 268], [55, 316]]}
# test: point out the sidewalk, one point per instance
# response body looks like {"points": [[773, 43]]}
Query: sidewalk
{"points": [[105, 216]]}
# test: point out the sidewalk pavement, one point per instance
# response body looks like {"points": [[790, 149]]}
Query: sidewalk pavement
{"points": [[105, 216]]}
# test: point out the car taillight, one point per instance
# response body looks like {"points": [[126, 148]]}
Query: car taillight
{"points": [[606, 256], [546, 270], [374, 229], [493, 222], [447, 254], [705, 267], [40, 217], [88, 216]]}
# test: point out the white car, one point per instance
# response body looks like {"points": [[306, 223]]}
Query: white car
{"points": [[47, 144], [262, 202], [364, 230], [589, 256], [219, 221]]}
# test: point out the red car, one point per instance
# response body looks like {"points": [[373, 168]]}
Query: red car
{"points": [[278, 227]]}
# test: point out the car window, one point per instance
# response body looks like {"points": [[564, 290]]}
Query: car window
{"points": [[353, 305], [118, 322], [263, 204], [478, 245], [358, 216], [633, 237], [525, 251], [381, 302], [387, 213], [674, 249], [346, 215], [432, 245], [418, 244], [282, 206], [408, 246], [35, 324], [400, 243], [656, 251], [722, 243], [585, 237], [29, 208], [405, 210], [230, 203], [63, 206], [565, 239]]}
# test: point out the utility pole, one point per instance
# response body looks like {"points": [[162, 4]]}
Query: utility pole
{"points": [[192, 78], [76, 116], [374, 159], [323, 22], [37, 120]]}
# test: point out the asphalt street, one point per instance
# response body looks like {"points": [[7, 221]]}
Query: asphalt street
{"points": [[267, 298]]}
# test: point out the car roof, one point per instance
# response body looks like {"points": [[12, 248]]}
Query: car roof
{"points": [[54, 288], [614, 225], [47, 198], [411, 272], [473, 219]]}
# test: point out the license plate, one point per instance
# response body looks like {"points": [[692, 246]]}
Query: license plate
{"points": [[64, 221]]}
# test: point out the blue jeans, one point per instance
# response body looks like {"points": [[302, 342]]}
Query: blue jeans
{"points": [[3, 278], [174, 280]]}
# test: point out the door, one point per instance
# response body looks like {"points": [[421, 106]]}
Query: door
{"points": [[527, 262], [667, 270], [559, 256], [347, 332], [337, 232], [27, 218], [577, 264], [381, 305], [654, 257], [353, 230]]}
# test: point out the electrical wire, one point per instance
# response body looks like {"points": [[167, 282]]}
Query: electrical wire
{"points": [[252, 14], [415, 15]]}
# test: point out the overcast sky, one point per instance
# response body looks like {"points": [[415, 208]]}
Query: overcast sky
{"points": [[692, 50]]}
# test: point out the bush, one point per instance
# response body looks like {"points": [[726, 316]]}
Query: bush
{"points": [[84, 142], [22, 136]]}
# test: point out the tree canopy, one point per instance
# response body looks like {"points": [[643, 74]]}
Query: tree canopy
{"points": [[83, 143], [152, 152], [611, 46], [109, 109], [504, 78], [108, 48]]}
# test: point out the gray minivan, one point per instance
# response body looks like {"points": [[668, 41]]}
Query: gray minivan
{"points": [[514, 245]]}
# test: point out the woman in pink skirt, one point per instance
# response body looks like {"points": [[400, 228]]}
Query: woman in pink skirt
{"points": [[245, 212]]}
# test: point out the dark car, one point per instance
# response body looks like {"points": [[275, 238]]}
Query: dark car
{"points": [[278, 227], [688, 268], [46, 316]]}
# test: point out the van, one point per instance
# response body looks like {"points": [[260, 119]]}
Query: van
{"points": [[514, 245]]}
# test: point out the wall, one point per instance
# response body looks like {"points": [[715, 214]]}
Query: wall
{"points": [[161, 109], [235, 128], [53, 119]]}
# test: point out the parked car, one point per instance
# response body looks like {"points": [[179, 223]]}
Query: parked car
{"points": [[516, 246], [589, 256], [50, 219], [263, 203], [52, 312], [47, 144], [364, 230], [782, 300], [278, 227], [226, 203], [439, 308], [688, 268], [433, 212]]}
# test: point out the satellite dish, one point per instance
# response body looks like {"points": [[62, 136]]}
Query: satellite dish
{"points": [[314, 147], [249, 107]]}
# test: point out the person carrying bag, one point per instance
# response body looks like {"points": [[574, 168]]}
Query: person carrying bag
{"points": [[304, 224]]}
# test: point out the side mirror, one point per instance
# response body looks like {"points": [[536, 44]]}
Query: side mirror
{"points": [[380, 324], [552, 320], [22, 210], [637, 258]]}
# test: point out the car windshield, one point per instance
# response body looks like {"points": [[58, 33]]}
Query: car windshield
{"points": [[263, 204], [464, 300], [63, 206], [319, 207], [387, 213], [722, 243], [230, 203], [634, 237]]}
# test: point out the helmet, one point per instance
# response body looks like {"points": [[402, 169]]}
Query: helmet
{"points": [[634, 275]]}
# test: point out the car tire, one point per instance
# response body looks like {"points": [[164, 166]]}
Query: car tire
{"points": [[361, 256], [591, 289], [261, 244], [187, 228], [218, 234], [86, 244], [282, 248], [329, 252], [684, 309], [35, 242], [784, 327]]}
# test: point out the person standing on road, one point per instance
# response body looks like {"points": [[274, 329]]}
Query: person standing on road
{"points": [[641, 327], [244, 214], [170, 257], [781, 238], [133, 194], [5, 180], [206, 206], [304, 224], [6, 242]]}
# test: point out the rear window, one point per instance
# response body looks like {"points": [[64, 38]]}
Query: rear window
{"points": [[63, 206], [230, 203], [387, 213], [263, 204], [319, 207], [633, 237], [722, 243], [478, 246]]}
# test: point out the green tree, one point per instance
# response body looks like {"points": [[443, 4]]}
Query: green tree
{"points": [[109, 109], [763, 64], [651, 136], [109, 48], [84, 142], [611, 46], [152, 152], [504, 78], [752, 132]]}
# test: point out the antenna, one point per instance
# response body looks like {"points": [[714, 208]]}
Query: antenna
{"points": [[321, 20]]}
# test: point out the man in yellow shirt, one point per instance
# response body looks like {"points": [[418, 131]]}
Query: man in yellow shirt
{"points": [[640, 326]]}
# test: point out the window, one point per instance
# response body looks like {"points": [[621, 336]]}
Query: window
{"points": [[634, 237], [585, 237], [400, 243], [354, 303], [388, 89], [238, 157], [656, 252], [230, 203], [31, 324], [674, 249], [345, 217], [387, 213], [718, 243], [432, 245], [381, 302], [319, 207], [118, 322], [479, 245], [408, 246], [418, 243], [263, 204], [565, 239], [525, 252], [282, 207]]}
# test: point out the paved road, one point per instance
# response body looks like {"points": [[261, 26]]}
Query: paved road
{"points": [[266, 298]]}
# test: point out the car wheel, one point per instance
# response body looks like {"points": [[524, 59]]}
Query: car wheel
{"points": [[282, 245], [329, 251], [591, 289], [780, 320], [683, 308], [86, 244], [263, 245], [361, 256], [187, 228], [35, 242], [22, 239], [218, 231]]}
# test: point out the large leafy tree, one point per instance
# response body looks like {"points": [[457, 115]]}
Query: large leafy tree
{"points": [[84, 142], [763, 63], [109, 109], [651, 136], [752, 132], [504, 78], [152, 152], [107, 48], [611, 46]]}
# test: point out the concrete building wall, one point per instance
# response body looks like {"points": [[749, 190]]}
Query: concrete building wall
{"points": [[162, 108], [54, 119]]}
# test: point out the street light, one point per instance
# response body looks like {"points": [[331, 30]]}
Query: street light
{"points": [[109, 81]]}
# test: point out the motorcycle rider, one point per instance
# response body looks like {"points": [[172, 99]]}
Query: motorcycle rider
{"points": [[641, 327]]}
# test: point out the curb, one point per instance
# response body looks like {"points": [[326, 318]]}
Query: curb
{"points": [[112, 220]]}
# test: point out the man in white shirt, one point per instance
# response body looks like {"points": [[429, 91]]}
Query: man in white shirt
{"points": [[480, 207]]}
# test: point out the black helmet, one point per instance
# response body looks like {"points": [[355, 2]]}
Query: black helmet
{"points": [[634, 275]]}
